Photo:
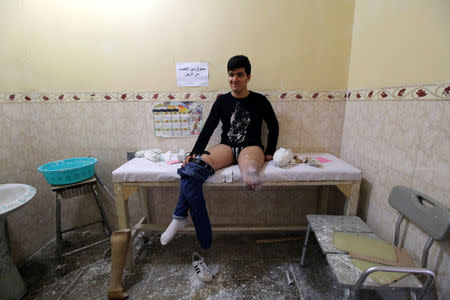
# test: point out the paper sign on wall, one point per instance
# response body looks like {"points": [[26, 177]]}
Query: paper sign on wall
{"points": [[192, 74]]}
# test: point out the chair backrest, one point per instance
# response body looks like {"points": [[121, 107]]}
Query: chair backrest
{"points": [[429, 215]]}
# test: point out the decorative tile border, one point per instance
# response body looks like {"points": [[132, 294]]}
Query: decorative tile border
{"points": [[417, 92], [103, 97], [162, 96], [307, 96]]}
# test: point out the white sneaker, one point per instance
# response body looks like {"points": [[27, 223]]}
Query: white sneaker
{"points": [[200, 268]]}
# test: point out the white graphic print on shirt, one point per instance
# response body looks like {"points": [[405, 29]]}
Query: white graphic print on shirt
{"points": [[238, 124]]}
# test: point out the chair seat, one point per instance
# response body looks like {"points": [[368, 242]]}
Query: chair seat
{"points": [[337, 223], [325, 240], [347, 274]]}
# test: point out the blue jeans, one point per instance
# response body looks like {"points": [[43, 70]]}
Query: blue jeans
{"points": [[191, 198]]}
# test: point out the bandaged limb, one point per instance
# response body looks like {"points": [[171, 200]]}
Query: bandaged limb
{"points": [[251, 160], [119, 249]]}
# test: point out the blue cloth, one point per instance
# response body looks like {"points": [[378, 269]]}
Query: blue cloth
{"points": [[191, 199]]}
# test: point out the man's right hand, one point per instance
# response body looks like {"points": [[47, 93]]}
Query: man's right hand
{"points": [[188, 159]]}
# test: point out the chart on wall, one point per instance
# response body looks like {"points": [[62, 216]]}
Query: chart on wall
{"points": [[175, 119]]}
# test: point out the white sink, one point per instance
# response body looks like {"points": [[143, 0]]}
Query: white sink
{"points": [[13, 196]]}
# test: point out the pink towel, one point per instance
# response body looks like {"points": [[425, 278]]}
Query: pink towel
{"points": [[322, 159]]}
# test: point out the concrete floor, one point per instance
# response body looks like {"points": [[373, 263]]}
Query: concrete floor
{"points": [[245, 267]]}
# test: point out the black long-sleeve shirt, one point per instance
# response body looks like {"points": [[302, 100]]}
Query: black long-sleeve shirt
{"points": [[241, 123]]}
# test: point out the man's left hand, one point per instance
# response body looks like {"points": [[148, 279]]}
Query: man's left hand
{"points": [[268, 157]]}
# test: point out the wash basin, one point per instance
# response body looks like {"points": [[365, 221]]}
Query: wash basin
{"points": [[13, 196]]}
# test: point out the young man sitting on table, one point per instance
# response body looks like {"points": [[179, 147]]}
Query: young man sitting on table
{"points": [[241, 112]]}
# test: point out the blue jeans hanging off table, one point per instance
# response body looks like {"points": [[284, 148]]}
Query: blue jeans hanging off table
{"points": [[193, 175]]}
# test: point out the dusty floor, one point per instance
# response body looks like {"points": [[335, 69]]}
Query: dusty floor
{"points": [[245, 267]]}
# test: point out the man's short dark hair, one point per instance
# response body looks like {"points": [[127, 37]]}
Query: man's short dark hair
{"points": [[239, 61]]}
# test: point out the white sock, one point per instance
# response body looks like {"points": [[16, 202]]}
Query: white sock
{"points": [[175, 225]]}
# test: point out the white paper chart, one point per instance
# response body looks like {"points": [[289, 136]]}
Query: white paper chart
{"points": [[175, 119]]}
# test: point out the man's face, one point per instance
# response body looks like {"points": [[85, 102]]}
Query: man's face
{"points": [[238, 80]]}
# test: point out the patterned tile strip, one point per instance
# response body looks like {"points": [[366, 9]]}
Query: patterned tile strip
{"points": [[418, 92], [162, 96]]}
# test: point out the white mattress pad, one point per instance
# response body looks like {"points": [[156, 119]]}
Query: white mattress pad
{"points": [[142, 170]]}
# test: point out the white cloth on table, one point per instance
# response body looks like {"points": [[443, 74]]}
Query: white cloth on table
{"points": [[142, 170]]}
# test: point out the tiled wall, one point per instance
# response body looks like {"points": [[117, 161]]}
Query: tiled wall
{"points": [[394, 135], [401, 136], [39, 128]]}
